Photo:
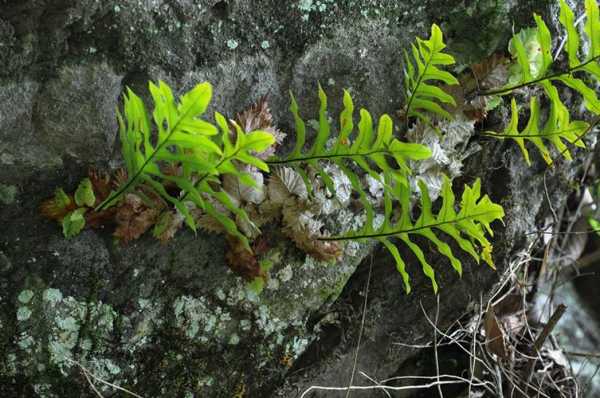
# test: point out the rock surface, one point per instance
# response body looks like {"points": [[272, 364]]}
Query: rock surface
{"points": [[172, 320]]}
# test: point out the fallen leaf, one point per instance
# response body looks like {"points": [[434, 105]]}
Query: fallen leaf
{"points": [[494, 336]]}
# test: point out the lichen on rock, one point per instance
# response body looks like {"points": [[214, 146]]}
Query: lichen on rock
{"points": [[171, 319]]}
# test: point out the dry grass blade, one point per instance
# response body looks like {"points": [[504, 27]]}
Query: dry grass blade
{"points": [[88, 374]]}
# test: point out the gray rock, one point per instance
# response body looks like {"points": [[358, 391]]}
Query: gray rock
{"points": [[172, 320], [18, 146], [86, 131]]}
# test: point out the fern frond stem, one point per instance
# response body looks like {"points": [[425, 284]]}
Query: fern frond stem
{"points": [[403, 231], [499, 135], [325, 157], [232, 156], [130, 182], [593, 124], [419, 81], [540, 79]]}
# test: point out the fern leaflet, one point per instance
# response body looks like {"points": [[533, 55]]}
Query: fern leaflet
{"points": [[557, 128], [427, 55]]}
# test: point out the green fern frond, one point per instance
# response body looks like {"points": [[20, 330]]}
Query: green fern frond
{"points": [[592, 30], [557, 128], [373, 150], [422, 68], [532, 51], [177, 135], [468, 227]]}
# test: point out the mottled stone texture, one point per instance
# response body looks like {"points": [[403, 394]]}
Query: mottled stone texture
{"points": [[171, 320]]}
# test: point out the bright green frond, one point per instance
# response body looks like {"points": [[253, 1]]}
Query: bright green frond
{"points": [[532, 51], [373, 149], [422, 68], [557, 128], [469, 227], [179, 136]]}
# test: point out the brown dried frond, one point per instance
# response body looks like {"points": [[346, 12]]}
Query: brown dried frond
{"points": [[54, 209], [241, 261], [101, 184], [120, 178], [134, 218], [491, 72], [167, 226], [210, 224], [258, 117], [304, 230]]}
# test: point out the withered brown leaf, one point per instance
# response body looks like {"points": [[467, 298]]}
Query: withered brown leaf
{"points": [[494, 336], [167, 226], [134, 218], [241, 261], [491, 72], [258, 117], [304, 230], [101, 184]]}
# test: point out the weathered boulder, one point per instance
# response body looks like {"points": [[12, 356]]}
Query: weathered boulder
{"points": [[172, 320]]}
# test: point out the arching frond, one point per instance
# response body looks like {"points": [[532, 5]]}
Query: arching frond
{"points": [[556, 129], [374, 150], [468, 227]]}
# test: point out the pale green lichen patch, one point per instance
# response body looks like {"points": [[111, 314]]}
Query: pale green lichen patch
{"points": [[25, 296], [61, 330], [139, 326], [23, 313], [201, 320], [232, 44], [52, 296]]}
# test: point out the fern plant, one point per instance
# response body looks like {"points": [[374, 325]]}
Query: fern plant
{"points": [[177, 137], [386, 158], [534, 67], [175, 156], [421, 97]]}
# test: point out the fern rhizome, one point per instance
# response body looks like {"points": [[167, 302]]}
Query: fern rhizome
{"points": [[181, 168]]}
